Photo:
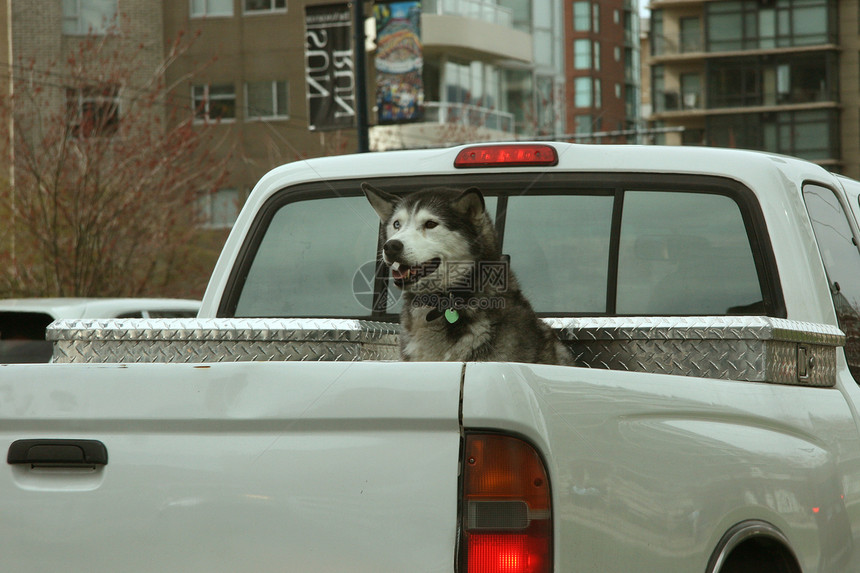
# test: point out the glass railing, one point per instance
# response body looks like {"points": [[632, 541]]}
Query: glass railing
{"points": [[469, 115], [678, 101], [671, 44], [474, 9]]}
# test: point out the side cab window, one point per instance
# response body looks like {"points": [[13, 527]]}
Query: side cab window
{"points": [[841, 258]]}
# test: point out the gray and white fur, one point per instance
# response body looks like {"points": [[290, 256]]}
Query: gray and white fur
{"points": [[438, 241]]}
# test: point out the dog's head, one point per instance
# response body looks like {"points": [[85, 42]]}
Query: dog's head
{"points": [[432, 235]]}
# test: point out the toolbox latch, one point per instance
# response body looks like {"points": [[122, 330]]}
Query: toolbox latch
{"points": [[805, 362]]}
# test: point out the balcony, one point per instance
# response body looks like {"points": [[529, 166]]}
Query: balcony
{"points": [[473, 38], [445, 124], [475, 9], [677, 44], [468, 115], [669, 101]]}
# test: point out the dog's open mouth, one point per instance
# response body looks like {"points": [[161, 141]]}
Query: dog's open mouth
{"points": [[404, 275]]}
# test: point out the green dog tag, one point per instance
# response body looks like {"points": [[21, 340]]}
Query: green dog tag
{"points": [[451, 315]]}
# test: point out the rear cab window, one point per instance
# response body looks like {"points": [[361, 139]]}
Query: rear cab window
{"points": [[580, 245]]}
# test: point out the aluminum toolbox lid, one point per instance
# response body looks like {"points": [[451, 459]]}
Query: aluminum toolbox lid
{"points": [[221, 340], [746, 348], [219, 329], [696, 328]]}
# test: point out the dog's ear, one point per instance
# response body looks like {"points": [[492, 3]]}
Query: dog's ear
{"points": [[470, 202], [383, 203]]}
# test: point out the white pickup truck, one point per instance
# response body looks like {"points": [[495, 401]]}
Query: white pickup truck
{"points": [[710, 298]]}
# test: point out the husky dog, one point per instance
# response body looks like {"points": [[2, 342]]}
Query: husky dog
{"points": [[461, 301]]}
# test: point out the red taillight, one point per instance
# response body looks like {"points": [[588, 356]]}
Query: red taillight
{"points": [[507, 155], [506, 553], [506, 522]]}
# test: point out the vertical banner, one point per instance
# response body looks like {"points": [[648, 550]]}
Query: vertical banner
{"points": [[329, 67], [399, 62]]}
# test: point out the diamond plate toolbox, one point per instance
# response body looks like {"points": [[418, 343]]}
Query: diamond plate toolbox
{"points": [[221, 340], [751, 348], [759, 349]]}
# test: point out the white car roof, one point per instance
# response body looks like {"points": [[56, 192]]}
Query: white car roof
{"points": [[95, 307]]}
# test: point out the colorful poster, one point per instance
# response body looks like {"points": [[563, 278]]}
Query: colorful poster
{"points": [[399, 62], [329, 67]]}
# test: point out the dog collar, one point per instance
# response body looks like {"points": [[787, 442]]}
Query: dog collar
{"points": [[450, 314]]}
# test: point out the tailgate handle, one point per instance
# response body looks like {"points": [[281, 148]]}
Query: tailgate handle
{"points": [[58, 453]]}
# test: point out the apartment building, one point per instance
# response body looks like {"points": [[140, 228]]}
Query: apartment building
{"points": [[602, 70], [773, 75], [245, 72], [40, 34]]}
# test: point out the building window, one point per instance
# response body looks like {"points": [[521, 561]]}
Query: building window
{"points": [[693, 136], [266, 100], [582, 54], [691, 34], [582, 92], [809, 134], [200, 8], [545, 105], [772, 81], [658, 40], [93, 111], [518, 97], [214, 102], [543, 44], [254, 6], [691, 91], [474, 83], [581, 16], [219, 210], [658, 82], [82, 17], [583, 124], [631, 102], [751, 24]]}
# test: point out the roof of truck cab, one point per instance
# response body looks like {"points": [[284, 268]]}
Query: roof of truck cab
{"points": [[743, 165]]}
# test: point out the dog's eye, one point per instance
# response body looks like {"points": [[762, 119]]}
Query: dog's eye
{"points": [[396, 224], [431, 225]]}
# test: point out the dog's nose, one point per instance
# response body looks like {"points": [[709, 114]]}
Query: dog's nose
{"points": [[392, 248]]}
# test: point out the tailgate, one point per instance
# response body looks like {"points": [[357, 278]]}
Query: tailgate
{"points": [[235, 467]]}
